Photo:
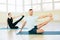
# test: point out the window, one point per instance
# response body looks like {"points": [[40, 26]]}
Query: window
{"points": [[56, 5], [19, 2], [27, 2], [19, 8], [47, 6], [25, 5], [36, 1], [56, 0], [3, 8], [11, 2], [3, 1], [36, 7], [47, 0], [11, 8], [26, 8]]}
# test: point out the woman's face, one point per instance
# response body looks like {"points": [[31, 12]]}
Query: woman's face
{"points": [[10, 15]]}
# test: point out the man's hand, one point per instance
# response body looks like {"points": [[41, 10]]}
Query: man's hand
{"points": [[44, 16], [50, 15], [21, 30], [23, 26]]}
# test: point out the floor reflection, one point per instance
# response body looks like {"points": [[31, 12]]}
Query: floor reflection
{"points": [[11, 34], [36, 37]]}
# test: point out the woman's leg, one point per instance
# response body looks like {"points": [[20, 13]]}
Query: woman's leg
{"points": [[18, 20]]}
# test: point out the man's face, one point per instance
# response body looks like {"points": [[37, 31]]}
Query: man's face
{"points": [[31, 12]]}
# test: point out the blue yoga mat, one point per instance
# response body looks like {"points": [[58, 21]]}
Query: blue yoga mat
{"points": [[9, 28], [45, 33], [27, 33]]}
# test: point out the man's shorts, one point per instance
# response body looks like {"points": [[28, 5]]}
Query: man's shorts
{"points": [[33, 31]]}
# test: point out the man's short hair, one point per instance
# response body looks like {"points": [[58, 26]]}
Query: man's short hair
{"points": [[30, 9]]}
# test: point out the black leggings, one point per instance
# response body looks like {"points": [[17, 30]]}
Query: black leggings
{"points": [[13, 25]]}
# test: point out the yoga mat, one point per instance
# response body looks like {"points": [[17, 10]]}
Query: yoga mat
{"points": [[45, 33]]}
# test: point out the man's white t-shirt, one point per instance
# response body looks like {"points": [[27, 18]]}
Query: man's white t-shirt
{"points": [[30, 22]]}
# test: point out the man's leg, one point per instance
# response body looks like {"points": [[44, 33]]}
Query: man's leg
{"points": [[34, 31], [18, 20], [41, 25]]}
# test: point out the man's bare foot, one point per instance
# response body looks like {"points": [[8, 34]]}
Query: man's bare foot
{"points": [[20, 30], [40, 31]]}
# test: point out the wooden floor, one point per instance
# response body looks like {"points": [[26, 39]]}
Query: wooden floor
{"points": [[8, 34]]}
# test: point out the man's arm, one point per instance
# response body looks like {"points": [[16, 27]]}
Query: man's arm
{"points": [[44, 16], [23, 26], [44, 23]]}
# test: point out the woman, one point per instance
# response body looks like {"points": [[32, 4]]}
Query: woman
{"points": [[10, 21]]}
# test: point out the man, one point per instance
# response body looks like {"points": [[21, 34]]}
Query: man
{"points": [[30, 23], [10, 21]]}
